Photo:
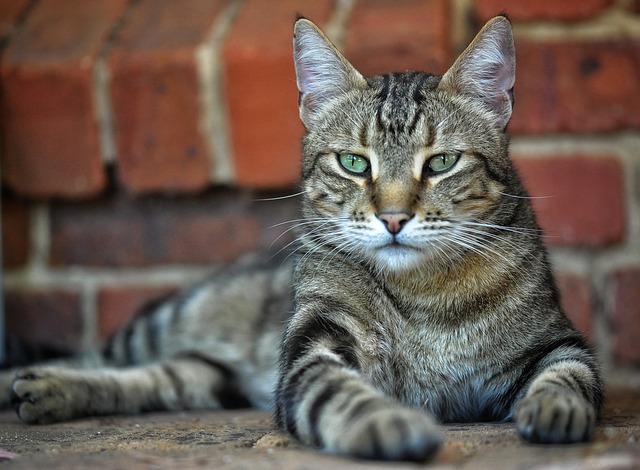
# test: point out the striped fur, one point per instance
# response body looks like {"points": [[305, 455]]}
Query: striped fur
{"points": [[424, 293], [211, 346], [419, 291]]}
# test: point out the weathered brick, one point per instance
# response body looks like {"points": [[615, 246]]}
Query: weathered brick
{"points": [[10, 13], [579, 199], [50, 144], [401, 35], [50, 318], [587, 86], [575, 300], [117, 305], [625, 315], [15, 233], [156, 95], [526, 10], [153, 230], [260, 89]]}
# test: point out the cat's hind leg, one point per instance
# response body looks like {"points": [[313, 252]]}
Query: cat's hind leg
{"points": [[50, 394]]}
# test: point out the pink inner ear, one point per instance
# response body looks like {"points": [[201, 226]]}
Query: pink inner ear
{"points": [[502, 87], [504, 78]]}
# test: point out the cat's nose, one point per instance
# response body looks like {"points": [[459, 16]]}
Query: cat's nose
{"points": [[394, 221]]}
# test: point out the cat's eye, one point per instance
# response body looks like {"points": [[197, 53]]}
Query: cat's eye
{"points": [[441, 162], [354, 163]]}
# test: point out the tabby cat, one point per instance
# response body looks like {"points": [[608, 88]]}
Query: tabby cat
{"points": [[419, 290]]}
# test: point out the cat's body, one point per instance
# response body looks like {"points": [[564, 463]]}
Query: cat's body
{"points": [[419, 289]]}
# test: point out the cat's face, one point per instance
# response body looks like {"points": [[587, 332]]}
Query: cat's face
{"points": [[400, 170]]}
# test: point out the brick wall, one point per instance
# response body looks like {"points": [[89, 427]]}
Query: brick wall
{"points": [[139, 137]]}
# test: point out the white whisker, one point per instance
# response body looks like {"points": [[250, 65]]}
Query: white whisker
{"points": [[279, 198], [476, 245], [524, 197], [320, 223], [299, 223], [520, 230]]}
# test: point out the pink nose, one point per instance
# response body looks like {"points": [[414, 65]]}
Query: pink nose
{"points": [[394, 221]]}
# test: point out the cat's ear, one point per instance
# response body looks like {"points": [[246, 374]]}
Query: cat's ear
{"points": [[322, 73], [486, 70]]}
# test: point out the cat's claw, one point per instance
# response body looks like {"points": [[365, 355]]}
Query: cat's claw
{"points": [[555, 418]]}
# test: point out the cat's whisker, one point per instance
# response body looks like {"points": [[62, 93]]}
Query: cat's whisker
{"points": [[304, 220], [497, 241], [506, 228], [336, 243], [441, 252], [524, 197], [492, 237], [319, 242], [476, 245], [465, 242], [280, 198], [299, 223], [297, 241], [342, 248]]}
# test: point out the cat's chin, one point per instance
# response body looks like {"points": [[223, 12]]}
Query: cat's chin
{"points": [[399, 258]]}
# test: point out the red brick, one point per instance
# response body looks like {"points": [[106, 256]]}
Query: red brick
{"points": [[10, 14], [577, 86], [579, 199], [156, 96], [152, 230], [526, 10], [50, 318], [50, 144], [385, 36], [575, 300], [260, 89], [117, 305], [625, 315], [15, 234]]}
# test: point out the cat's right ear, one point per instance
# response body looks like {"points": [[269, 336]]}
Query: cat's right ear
{"points": [[322, 73]]}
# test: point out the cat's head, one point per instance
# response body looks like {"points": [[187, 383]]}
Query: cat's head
{"points": [[411, 168]]}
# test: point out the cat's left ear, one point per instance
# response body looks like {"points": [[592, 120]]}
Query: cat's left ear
{"points": [[487, 70], [322, 73]]}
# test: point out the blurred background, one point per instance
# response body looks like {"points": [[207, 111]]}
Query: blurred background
{"points": [[145, 143]]}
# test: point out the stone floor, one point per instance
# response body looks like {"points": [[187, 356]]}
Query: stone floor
{"points": [[247, 440]]}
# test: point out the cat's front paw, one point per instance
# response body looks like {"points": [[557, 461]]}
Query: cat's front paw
{"points": [[553, 417], [390, 434], [41, 395]]}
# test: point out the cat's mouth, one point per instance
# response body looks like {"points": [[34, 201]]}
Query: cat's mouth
{"points": [[398, 241], [397, 247], [398, 256], [396, 244]]}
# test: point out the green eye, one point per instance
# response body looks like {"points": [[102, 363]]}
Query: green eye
{"points": [[354, 163], [441, 162]]}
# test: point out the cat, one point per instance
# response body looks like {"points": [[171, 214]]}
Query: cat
{"points": [[418, 292]]}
